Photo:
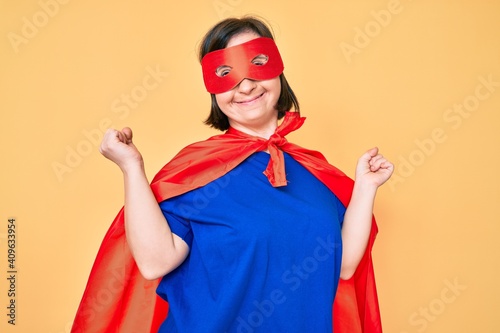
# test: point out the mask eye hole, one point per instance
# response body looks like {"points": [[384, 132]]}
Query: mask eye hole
{"points": [[223, 70], [260, 60]]}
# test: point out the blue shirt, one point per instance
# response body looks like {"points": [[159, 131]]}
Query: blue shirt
{"points": [[262, 259]]}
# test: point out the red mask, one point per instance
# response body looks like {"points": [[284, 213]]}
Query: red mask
{"points": [[224, 69]]}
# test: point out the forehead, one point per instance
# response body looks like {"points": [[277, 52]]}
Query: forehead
{"points": [[241, 38]]}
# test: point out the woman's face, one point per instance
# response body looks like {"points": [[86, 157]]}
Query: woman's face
{"points": [[250, 106]]}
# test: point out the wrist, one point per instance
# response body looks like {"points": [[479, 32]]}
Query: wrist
{"points": [[365, 187], [133, 167]]}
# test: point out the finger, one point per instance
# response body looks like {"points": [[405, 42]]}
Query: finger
{"points": [[121, 136], [387, 165], [375, 161], [110, 132], [380, 162], [368, 155], [109, 135], [372, 152], [386, 168], [376, 158]]}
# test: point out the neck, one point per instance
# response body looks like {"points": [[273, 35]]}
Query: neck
{"points": [[261, 132]]}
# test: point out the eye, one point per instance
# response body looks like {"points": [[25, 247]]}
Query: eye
{"points": [[223, 70], [260, 60]]}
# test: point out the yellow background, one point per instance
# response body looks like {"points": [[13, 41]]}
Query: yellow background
{"points": [[387, 73]]}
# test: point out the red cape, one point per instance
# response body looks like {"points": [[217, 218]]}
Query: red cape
{"points": [[118, 299]]}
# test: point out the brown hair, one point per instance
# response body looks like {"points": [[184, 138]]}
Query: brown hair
{"points": [[217, 38]]}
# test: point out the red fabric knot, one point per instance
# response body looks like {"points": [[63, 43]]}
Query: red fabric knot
{"points": [[275, 170]]}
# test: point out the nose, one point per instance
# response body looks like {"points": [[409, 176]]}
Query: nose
{"points": [[246, 86]]}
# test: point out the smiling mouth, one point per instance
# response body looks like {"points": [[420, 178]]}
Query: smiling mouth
{"points": [[251, 99]]}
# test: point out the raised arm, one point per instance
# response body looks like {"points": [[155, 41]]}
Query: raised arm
{"points": [[156, 250], [372, 171]]}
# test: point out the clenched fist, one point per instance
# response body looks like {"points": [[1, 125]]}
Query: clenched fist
{"points": [[118, 147]]}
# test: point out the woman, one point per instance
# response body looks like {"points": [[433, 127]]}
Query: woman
{"points": [[251, 233]]}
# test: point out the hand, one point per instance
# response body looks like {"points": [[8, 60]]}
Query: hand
{"points": [[373, 168], [118, 147]]}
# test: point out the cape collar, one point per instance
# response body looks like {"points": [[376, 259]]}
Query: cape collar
{"points": [[275, 170]]}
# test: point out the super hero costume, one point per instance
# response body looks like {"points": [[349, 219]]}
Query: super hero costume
{"points": [[118, 299], [256, 252]]}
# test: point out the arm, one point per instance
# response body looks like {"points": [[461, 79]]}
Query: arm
{"points": [[156, 250], [372, 171]]}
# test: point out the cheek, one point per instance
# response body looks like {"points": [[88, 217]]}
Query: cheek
{"points": [[274, 86], [223, 100]]}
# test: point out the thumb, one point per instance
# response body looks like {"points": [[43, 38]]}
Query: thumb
{"points": [[370, 153], [128, 134]]}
